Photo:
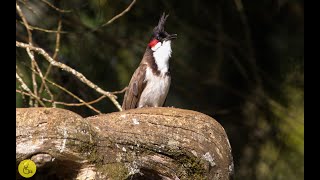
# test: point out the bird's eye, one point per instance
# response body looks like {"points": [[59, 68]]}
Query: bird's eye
{"points": [[162, 35]]}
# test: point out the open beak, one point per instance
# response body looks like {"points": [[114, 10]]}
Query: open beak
{"points": [[171, 36]]}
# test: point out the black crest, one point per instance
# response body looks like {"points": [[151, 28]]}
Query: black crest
{"points": [[160, 27]]}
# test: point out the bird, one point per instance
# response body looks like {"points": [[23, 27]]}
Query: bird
{"points": [[150, 83]]}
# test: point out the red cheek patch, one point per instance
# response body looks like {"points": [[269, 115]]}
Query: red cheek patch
{"points": [[153, 43]]}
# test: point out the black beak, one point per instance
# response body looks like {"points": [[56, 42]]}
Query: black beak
{"points": [[171, 36]]}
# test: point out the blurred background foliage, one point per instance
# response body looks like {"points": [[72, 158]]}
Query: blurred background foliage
{"points": [[239, 61]]}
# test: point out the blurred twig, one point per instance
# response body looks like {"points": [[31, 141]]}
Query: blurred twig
{"points": [[56, 50], [55, 8], [121, 91], [43, 30], [121, 14], [24, 2], [248, 41]]}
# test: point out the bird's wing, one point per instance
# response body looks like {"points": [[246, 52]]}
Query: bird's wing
{"points": [[135, 88]]}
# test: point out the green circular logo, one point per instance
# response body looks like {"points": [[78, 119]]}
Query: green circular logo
{"points": [[27, 168]]}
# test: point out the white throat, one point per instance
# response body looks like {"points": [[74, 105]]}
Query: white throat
{"points": [[162, 53]]}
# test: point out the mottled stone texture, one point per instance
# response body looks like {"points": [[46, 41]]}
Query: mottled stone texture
{"points": [[146, 143]]}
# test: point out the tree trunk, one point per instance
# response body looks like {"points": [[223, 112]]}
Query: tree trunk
{"points": [[146, 143]]}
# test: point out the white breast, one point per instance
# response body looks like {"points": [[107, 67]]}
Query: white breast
{"points": [[162, 53], [156, 89]]}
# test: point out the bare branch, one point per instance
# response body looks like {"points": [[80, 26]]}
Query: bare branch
{"points": [[25, 87], [66, 104], [34, 81], [28, 7], [74, 96], [121, 14], [23, 92], [57, 9], [55, 52], [64, 67], [34, 65], [71, 94], [121, 91], [26, 24], [42, 29], [78, 104], [37, 70], [23, 84]]}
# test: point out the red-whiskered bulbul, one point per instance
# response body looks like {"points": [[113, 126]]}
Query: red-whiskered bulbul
{"points": [[150, 82]]}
